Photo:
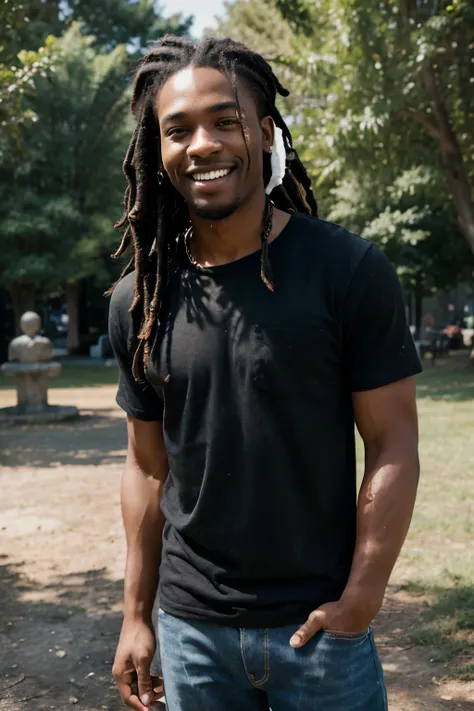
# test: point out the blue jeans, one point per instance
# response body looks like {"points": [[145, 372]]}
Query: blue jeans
{"points": [[208, 667]]}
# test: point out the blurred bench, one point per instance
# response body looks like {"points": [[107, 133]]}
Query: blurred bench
{"points": [[102, 349], [436, 344]]}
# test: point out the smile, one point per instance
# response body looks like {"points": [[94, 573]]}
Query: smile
{"points": [[211, 175]]}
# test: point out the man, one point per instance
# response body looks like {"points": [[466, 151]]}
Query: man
{"points": [[250, 337]]}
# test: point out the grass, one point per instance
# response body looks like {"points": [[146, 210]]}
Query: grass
{"points": [[450, 380], [75, 376], [446, 623], [466, 673], [437, 562]]}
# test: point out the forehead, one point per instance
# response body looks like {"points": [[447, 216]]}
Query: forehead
{"points": [[196, 89]]}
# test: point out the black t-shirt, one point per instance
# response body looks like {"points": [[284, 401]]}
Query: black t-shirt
{"points": [[254, 390]]}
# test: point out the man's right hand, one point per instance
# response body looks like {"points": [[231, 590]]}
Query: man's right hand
{"points": [[133, 658]]}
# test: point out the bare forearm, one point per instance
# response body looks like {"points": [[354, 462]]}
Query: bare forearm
{"points": [[385, 508], [143, 521]]}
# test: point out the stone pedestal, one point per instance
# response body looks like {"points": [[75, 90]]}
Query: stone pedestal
{"points": [[31, 365], [32, 383]]}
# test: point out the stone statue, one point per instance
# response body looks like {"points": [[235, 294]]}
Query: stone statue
{"points": [[30, 348], [30, 363]]}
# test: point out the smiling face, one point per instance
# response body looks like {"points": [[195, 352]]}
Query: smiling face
{"points": [[202, 143]]}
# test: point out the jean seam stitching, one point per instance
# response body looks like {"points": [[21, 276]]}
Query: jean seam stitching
{"points": [[348, 637], [266, 671], [378, 672], [242, 653]]}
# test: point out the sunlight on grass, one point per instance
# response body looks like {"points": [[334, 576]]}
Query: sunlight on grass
{"points": [[437, 561]]}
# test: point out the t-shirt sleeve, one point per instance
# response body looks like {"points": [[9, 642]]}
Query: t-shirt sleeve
{"points": [[378, 348], [137, 399]]}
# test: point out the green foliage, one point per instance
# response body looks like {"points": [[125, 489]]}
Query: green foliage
{"points": [[64, 129], [27, 25], [466, 673], [135, 23], [300, 14], [258, 25], [64, 186], [21, 62], [15, 82], [111, 22], [27, 51], [411, 221]]}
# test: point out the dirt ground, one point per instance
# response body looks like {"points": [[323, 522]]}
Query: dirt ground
{"points": [[61, 567]]}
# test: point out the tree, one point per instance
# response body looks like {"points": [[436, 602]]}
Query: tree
{"points": [[63, 120], [135, 23], [408, 71], [412, 222], [19, 66], [57, 208], [259, 26]]}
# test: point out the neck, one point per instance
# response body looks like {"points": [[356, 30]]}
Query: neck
{"points": [[221, 241]]}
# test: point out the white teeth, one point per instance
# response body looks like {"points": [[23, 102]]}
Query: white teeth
{"points": [[212, 175]]}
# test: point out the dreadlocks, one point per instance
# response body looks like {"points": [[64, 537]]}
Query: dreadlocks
{"points": [[155, 214]]}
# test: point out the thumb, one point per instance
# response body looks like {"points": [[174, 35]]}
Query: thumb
{"points": [[145, 686], [312, 625]]}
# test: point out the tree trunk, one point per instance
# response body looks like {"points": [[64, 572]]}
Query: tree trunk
{"points": [[23, 299], [418, 304], [454, 168], [72, 298]]}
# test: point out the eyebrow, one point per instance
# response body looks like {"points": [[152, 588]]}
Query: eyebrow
{"points": [[214, 109]]}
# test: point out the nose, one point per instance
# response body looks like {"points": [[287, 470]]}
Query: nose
{"points": [[203, 144]]}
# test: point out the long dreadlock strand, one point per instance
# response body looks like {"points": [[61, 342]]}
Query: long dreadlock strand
{"points": [[139, 263], [265, 267], [297, 191], [141, 213], [161, 253], [145, 160], [129, 170], [154, 213], [128, 161]]}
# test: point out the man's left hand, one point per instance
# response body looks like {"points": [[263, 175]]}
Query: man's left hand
{"points": [[334, 617]]}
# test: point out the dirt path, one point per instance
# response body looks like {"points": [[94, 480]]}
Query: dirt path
{"points": [[61, 564]]}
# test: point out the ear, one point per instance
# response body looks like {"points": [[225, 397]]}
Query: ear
{"points": [[268, 133]]}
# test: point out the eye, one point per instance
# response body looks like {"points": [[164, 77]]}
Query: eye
{"points": [[228, 122], [175, 132]]}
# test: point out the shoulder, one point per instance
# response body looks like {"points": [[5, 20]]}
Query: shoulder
{"points": [[329, 238], [122, 295], [336, 251], [120, 318]]}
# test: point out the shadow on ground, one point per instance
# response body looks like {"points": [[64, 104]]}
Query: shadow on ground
{"points": [[61, 637], [421, 668], [446, 624], [93, 439]]}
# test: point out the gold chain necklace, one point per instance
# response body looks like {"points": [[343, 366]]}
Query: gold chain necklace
{"points": [[267, 227], [187, 236]]}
